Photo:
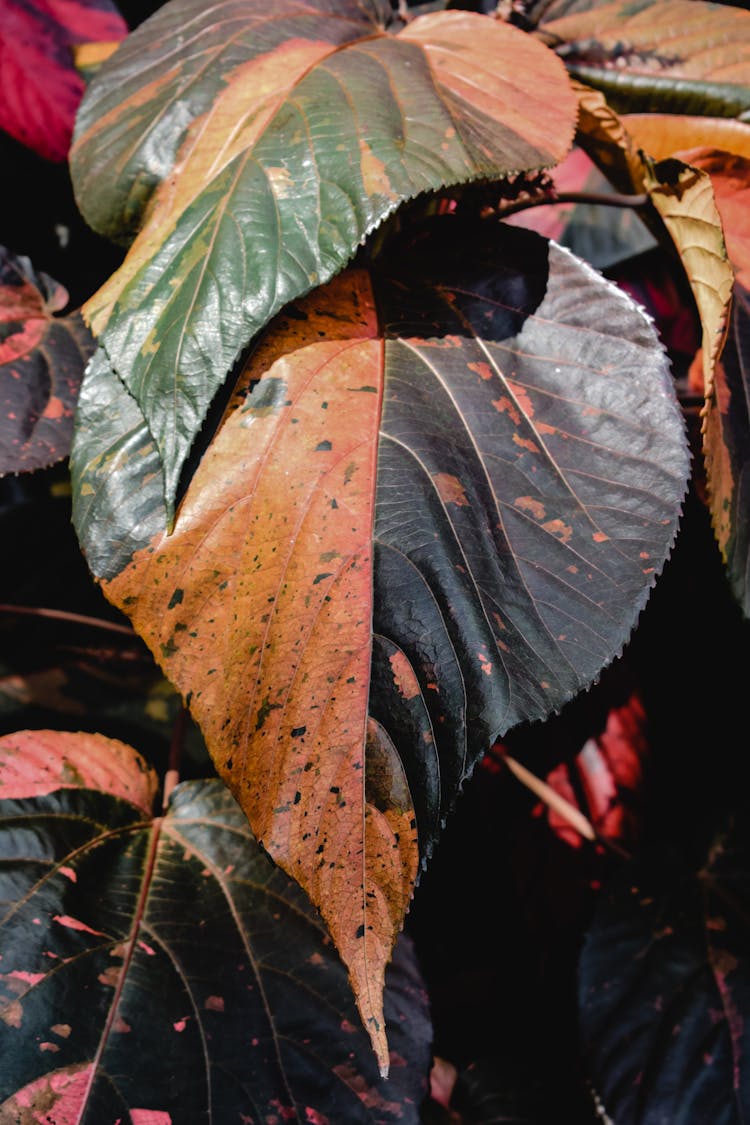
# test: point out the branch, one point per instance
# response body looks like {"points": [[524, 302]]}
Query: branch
{"points": [[64, 615], [600, 198]]}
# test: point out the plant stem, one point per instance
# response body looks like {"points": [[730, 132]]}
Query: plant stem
{"points": [[176, 747], [64, 615], [564, 808], [603, 198]]}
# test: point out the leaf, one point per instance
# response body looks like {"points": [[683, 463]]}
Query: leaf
{"points": [[675, 56], [273, 145], [664, 990], [666, 134], [39, 86], [40, 762], [726, 424], [164, 970], [42, 357], [605, 779], [449, 523], [683, 195]]}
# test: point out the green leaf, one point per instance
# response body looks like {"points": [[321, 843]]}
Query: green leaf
{"points": [[166, 970], [42, 357], [664, 56], [447, 521], [278, 143]]}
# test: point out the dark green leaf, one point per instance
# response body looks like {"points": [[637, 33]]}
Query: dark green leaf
{"points": [[665, 993], [166, 971], [531, 462]]}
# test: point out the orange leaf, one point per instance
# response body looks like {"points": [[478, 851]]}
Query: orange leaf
{"points": [[273, 571]]}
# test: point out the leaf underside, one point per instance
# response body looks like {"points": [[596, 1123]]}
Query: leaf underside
{"points": [[144, 976], [409, 535], [269, 146]]}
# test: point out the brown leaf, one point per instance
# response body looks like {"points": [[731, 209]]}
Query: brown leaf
{"points": [[274, 574]]}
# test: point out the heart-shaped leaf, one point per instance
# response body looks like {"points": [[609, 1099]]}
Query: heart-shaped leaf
{"points": [[164, 970], [278, 141], [42, 357], [665, 993], [40, 87], [448, 521], [678, 56]]}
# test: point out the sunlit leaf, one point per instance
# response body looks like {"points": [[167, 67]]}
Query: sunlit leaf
{"points": [[40, 87], [726, 426], [664, 990], [684, 197], [448, 520], [273, 143], [675, 56], [42, 357], [164, 970], [664, 134]]}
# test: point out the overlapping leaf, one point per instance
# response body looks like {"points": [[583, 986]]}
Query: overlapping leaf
{"points": [[42, 357], [684, 197], [678, 56], [447, 521], [275, 143], [143, 974], [726, 435], [40, 87], [664, 991]]}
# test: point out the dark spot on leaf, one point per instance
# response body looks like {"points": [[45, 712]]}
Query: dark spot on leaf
{"points": [[335, 789], [297, 732], [176, 598], [297, 797], [319, 577], [323, 447], [333, 503], [360, 932]]}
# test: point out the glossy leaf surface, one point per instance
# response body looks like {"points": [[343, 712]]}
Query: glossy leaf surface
{"points": [[145, 976], [677, 56], [448, 520], [274, 143], [42, 357], [40, 88], [664, 991]]}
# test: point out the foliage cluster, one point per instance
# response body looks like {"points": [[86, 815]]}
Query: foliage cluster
{"points": [[390, 354]]}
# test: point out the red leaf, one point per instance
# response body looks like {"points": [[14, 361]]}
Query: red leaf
{"points": [[39, 86], [604, 779]]}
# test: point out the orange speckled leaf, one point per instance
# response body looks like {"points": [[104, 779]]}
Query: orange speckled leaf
{"points": [[41, 761], [260, 605]]}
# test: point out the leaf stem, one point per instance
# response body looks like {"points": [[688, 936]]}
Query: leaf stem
{"points": [[65, 615], [176, 747], [564, 808], [602, 198]]}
